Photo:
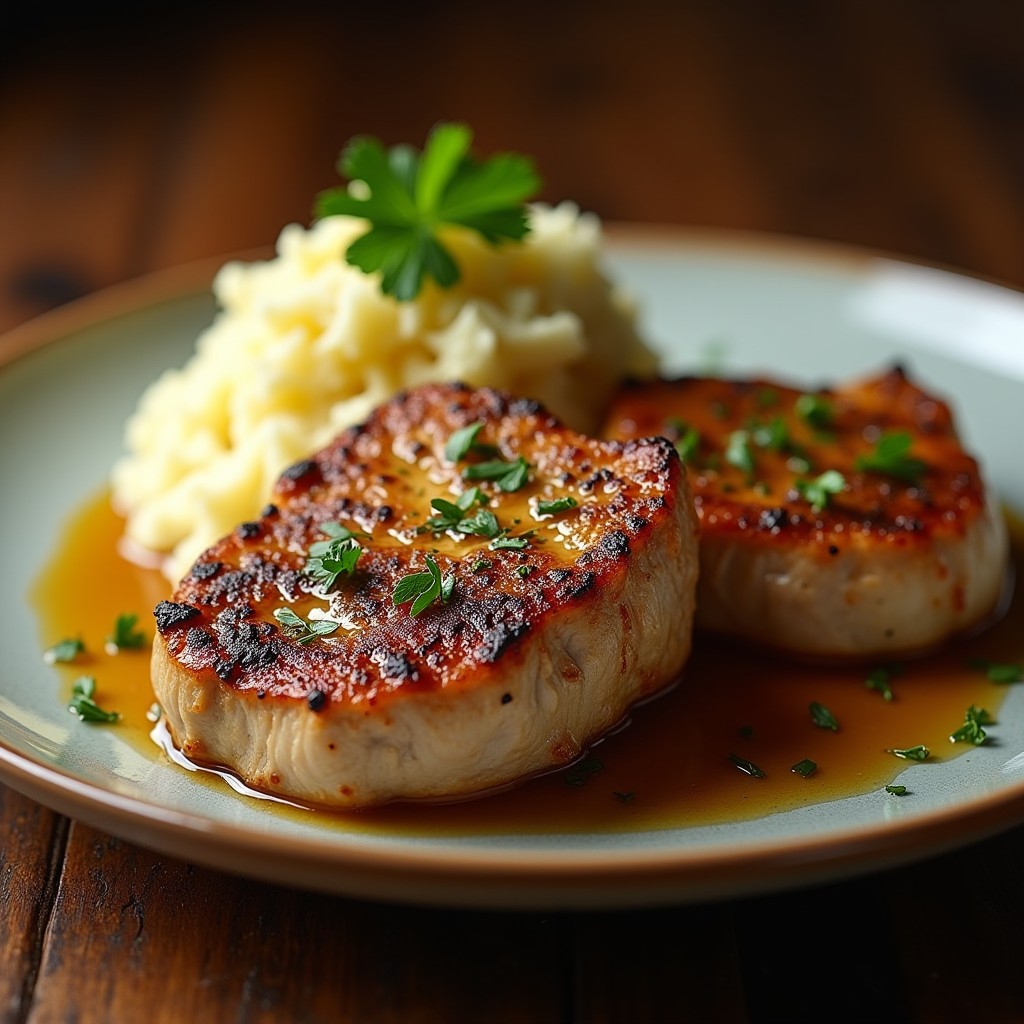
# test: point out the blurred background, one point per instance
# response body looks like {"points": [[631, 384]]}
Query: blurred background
{"points": [[138, 137]]}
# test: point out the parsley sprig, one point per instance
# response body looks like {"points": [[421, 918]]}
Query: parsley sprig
{"points": [[456, 515], [304, 630], [408, 195], [330, 559], [83, 704], [125, 636], [891, 457], [423, 588]]}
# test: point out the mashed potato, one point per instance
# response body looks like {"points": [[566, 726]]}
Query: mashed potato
{"points": [[305, 345]]}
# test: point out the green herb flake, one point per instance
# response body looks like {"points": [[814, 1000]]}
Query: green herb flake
{"points": [[972, 730], [582, 771], [423, 588], [878, 680], [738, 452], [918, 753], [125, 636], [83, 705], [509, 543], [818, 492], [460, 443], [999, 672], [805, 768], [815, 411], [408, 196], [896, 790], [687, 445], [506, 476], [891, 457], [481, 564], [822, 717], [304, 630], [747, 767], [329, 560], [552, 508], [64, 651]]}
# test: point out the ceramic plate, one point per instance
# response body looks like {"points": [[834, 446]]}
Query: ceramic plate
{"points": [[812, 312]]}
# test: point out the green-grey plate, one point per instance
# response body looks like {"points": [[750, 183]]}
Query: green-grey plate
{"points": [[805, 311]]}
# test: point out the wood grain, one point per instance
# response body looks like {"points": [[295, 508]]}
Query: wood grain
{"points": [[156, 137]]}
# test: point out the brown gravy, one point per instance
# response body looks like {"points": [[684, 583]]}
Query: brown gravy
{"points": [[671, 766]]}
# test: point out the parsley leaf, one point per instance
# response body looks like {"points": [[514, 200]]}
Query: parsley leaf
{"points": [[918, 753], [819, 490], [580, 773], [891, 457], [878, 679], [301, 629], [125, 636], [550, 508], [999, 672], [971, 731], [331, 560], [83, 704], [64, 650], [747, 767], [453, 515], [423, 588], [507, 476], [462, 442], [822, 717], [738, 452], [805, 768], [411, 195], [814, 410], [896, 790]]}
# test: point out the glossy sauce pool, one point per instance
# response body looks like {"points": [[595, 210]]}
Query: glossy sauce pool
{"points": [[673, 765]]}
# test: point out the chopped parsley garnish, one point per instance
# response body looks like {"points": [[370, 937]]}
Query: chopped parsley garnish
{"points": [[582, 771], [896, 790], [971, 731], [328, 560], [878, 680], [822, 717], [507, 476], [805, 768], [818, 492], [455, 515], [999, 672], [423, 588], [83, 704], [738, 452], [551, 508], [64, 650], [125, 636], [814, 410], [773, 435], [918, 753], [407, 196], [747, 767], [463, 441], [304, 630], [892, 458], [480, 564], [510, 543]]}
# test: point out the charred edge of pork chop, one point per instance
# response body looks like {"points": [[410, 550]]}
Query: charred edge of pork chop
{"points": [[515, 674], [889, 566]]}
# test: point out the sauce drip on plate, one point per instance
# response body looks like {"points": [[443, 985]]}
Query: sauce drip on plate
{"points": [[683, 759]]}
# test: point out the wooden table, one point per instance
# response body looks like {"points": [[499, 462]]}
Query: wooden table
{"points": [[155, 139]]}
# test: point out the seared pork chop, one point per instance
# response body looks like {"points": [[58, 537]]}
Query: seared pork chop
{"points": [[841, 522], [453, 596]]}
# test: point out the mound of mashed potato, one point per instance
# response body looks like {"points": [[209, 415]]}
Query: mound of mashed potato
{"points": [[304, 345]]}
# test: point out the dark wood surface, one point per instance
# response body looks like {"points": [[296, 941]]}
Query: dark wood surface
{"points": [[134, 142]]}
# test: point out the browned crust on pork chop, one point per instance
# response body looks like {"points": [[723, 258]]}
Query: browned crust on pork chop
{"points": [[902, 556], [554, 640]]}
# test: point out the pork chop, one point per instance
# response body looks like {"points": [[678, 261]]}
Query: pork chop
{"points": [[455, 595], [841, 522]]}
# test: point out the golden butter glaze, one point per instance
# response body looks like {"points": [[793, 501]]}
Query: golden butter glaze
{"points": [[379, 478]]}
